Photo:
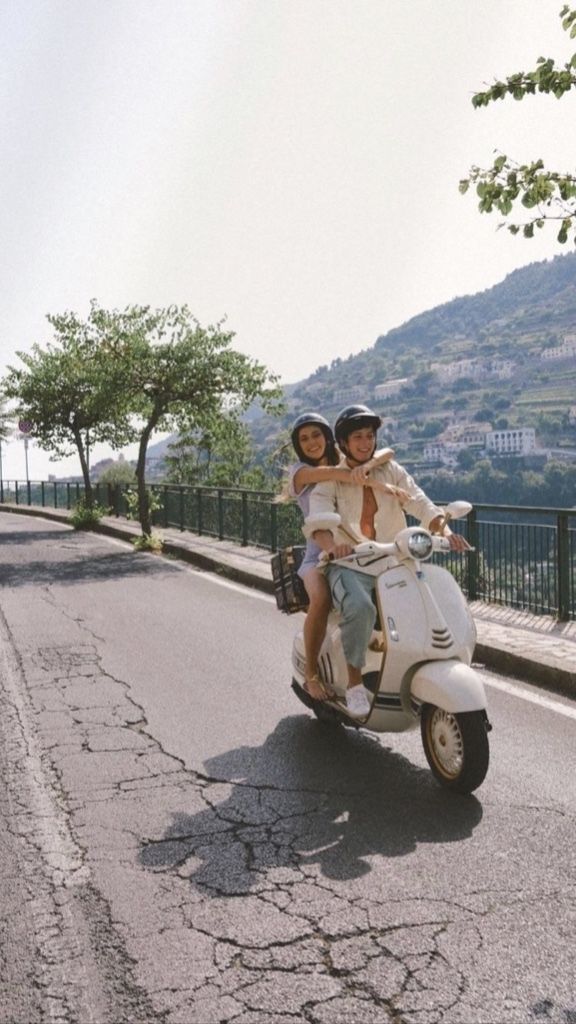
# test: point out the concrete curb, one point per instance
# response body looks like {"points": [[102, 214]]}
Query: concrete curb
{"points": [[547, 676], [210, 564], [544, 672]]}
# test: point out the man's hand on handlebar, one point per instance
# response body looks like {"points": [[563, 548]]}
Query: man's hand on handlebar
{"points": [[340, 551], [457, 542]]}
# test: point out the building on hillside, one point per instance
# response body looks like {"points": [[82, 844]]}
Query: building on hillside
{"points": [[349, 395], [388, 422], [469, 435], [562, 454], [502, 369], [474, 435], [521, 441], [567, 350], [474, 369], [441, 451], [390, 387], [447, 373]]}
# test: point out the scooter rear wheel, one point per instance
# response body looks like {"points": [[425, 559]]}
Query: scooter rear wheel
{"points": [[456, 747]]}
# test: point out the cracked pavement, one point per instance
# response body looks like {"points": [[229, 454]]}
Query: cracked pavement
{"points": [[186, 844]]}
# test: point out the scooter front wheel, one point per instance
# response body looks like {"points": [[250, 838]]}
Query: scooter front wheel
{"points": [[456, 747]]}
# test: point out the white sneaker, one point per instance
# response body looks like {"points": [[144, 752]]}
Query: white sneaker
{"points": [[357, 701]]}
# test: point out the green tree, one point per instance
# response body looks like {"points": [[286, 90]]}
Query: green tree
{"points": [[466, 458], [182, 376], [560, 484], [120, 472], [483, 415], [548, 426], [431, 428], [546, 195], [72, 391], [220, 454], [5, 418], [5, 431], [423, 381]]}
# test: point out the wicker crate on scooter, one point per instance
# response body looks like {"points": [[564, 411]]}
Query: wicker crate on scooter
{"points": [[289, 589]]}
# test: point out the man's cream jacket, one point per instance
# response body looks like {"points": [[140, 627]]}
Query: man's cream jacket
{"points": [[346, 500]]}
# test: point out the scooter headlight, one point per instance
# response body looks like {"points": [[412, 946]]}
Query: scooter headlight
{"points": [[420, 545]]}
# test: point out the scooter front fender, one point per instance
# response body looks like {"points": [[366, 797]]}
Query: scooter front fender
{"points": [[450, 685]]}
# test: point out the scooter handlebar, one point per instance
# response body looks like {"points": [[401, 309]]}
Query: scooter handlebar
{"points": [[397, 548], [366, 548]]}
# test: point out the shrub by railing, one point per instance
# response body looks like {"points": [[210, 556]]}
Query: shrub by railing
{"points": [[524, 557]]}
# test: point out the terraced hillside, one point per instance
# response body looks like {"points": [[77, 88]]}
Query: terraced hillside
{"points": [[478, 358]]}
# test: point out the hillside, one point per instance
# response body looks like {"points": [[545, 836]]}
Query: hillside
{"points": [[489, 358]]}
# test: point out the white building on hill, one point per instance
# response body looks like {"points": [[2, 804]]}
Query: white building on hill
{"points": [[474, 369], [567, 350], [447, 373], [350, 395], [466, 434], [390, 387], [442, 451], [511, 442]]}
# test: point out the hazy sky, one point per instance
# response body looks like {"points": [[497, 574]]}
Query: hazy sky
{"points": [[291, 164]]}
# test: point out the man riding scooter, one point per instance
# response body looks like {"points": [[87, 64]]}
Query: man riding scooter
{"points": [[365, 514]]}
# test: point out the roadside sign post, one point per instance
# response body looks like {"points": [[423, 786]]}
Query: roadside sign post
{"points": [[26, 459], [25, 428]]}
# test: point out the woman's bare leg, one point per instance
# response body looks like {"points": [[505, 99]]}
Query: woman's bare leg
{"points": [[315, 627]]}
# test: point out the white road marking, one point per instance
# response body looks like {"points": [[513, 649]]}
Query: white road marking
{"points": [[515, 690], [207, 574], [241, 588]]}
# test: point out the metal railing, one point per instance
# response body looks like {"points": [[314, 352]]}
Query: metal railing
{"points": [[523, 558]]}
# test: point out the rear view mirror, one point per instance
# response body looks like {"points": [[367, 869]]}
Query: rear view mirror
{"points": [[458, 509]]}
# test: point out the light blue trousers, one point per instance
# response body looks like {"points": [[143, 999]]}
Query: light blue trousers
{"points": [[352, 598]]}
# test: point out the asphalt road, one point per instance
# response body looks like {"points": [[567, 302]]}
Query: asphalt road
{"points": [[181, 842]]}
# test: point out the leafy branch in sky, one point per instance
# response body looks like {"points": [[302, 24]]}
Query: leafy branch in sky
{"points": [[72, 391], [546, 195]]}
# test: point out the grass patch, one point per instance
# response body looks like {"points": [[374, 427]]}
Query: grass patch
{"points": [[149, 542], [85, 517]]}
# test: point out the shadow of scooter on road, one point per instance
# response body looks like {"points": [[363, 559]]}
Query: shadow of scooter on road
{"points": [[310, 795]]}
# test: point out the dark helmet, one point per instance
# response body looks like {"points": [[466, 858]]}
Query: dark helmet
{"points": [[354, 417], [302, 421]]}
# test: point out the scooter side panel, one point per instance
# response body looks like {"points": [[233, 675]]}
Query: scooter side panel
{"points": [[390, 717], [453, 606], [450, 685], [404, 623], [331, 661], [388, 714], [416, 608]]}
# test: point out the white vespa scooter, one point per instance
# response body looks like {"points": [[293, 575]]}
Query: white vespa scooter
{"points": [[418, 666]]}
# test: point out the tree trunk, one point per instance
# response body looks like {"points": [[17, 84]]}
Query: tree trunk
{"points": [[85, 468], [144, 514]]}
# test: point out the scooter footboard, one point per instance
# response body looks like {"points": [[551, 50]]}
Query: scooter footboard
{"points": [[450, 685]]}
